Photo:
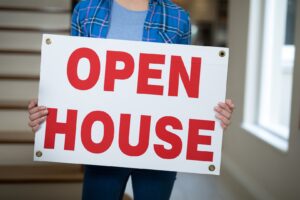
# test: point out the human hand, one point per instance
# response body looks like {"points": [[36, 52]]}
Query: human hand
{"points": [[224, 112], [37, 115]]}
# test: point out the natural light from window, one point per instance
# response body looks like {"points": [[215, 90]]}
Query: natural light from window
{"points": [[269, 81]]}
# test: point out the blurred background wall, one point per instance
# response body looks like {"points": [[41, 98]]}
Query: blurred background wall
{"points": [[254, 165]]}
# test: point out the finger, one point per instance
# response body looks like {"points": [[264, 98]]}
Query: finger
{"points": [[32, 103], [36, 122], [224, 126], [38, 115], [34, 129], [223, 112], [224, 106], [32, 124], [36, 109], [223, 119], [230, 103]]}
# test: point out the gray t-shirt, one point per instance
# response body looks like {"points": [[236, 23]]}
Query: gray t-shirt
{"points": [[126, 24]]}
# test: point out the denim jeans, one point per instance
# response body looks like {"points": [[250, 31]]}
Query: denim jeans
{"points": [[109, 183]]}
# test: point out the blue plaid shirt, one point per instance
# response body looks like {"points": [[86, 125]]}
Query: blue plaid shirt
{"points": [[165, 22]]}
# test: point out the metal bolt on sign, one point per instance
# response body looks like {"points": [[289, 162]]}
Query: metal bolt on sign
{"points": [[212, 168], [48, 41], [38, 154], [222, 53]]}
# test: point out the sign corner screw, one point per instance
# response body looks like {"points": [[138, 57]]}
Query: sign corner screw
{"points": [[48, 41], [222, 53], [38, 154], [212, 168]]}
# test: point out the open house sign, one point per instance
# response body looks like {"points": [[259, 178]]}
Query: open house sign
{"points": [[131, 104]]}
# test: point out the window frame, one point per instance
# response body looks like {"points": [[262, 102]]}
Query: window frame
{"points": [[277, 137]]}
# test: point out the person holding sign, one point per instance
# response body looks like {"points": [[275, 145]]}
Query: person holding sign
{"points": [[140, 20]]}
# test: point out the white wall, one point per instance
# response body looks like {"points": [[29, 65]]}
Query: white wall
{"points": [[265, 171]]}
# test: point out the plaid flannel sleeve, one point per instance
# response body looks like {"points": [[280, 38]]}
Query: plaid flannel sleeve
{"points": [[187, 33], [75, 22]]}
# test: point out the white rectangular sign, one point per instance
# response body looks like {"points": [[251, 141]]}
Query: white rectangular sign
{"points": [[131, 104]]}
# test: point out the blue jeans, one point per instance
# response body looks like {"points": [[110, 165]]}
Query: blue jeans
{"points": [[109, 183]]}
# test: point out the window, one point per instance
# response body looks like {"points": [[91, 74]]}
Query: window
{"points": [[270, 70]]}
